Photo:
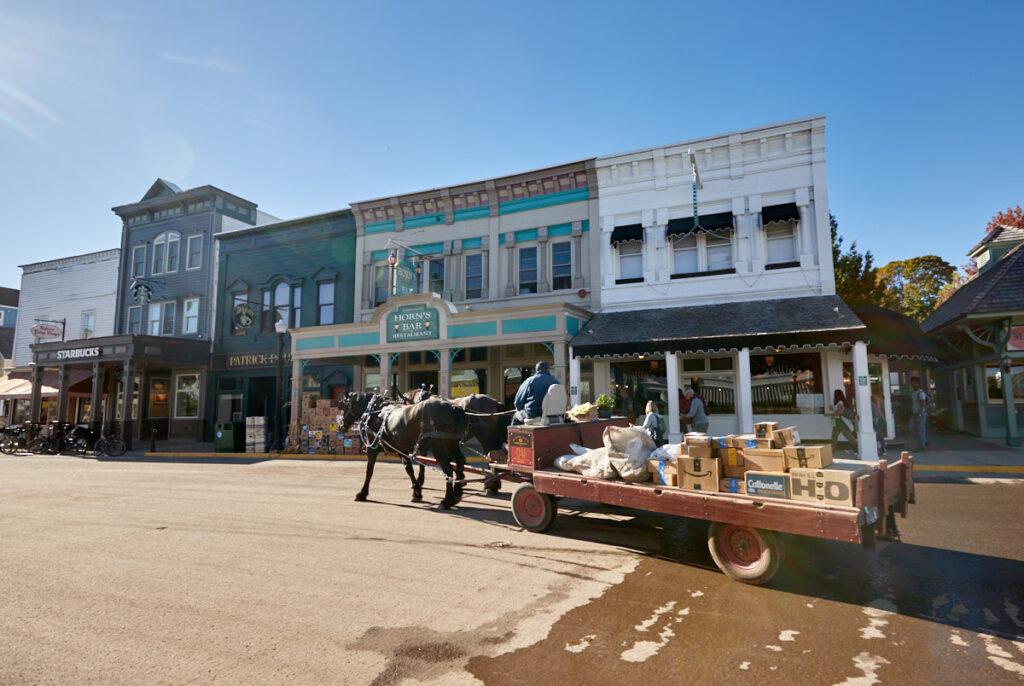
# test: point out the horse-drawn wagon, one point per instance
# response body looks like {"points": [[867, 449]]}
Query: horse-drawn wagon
{"points": [[744, 534]]}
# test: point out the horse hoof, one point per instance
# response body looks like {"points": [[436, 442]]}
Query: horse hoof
{"points": [[417, 498], [360, 497], [444, 505]]}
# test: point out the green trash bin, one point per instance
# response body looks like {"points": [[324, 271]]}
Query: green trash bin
{"points": [[228, 437]]}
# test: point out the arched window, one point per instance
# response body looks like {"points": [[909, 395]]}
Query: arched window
{"points": [[166, 250]]}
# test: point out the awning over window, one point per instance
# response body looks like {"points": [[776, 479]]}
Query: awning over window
{"points": [[773, 214], [21, 389], [631, 232], [708, 222]]}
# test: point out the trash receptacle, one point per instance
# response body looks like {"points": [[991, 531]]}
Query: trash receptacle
{"points": [[228, 437]]}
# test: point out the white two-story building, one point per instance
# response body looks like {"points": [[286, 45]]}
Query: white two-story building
{"points": [[722, 281]]}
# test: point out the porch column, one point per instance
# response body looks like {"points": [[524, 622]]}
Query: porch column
{"points": [[36, 402], [385, 373], [744, 392], [1012, 435], [574, 378], [96, 409], [63, 388], [127, 390], [561, 367], [672, 381], [867, 449], [890, 422], [295, 393], [444, 377]]}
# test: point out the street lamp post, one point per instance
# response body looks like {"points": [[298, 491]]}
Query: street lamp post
{"points": [[281, 326]]}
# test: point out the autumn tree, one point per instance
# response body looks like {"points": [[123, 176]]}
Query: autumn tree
{"points": [[915, 286], [1012, 216], [856, 281]]}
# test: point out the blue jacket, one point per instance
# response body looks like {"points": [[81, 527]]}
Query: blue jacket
{"points": [[530, 396]]}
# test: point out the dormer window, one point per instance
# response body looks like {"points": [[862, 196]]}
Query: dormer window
{"points": [[166, 250]]}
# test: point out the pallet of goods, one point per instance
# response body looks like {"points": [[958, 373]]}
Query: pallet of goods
{"points": [[319, 427]]}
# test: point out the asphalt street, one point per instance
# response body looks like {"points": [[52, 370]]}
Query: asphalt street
{"points": [[267, 572]]}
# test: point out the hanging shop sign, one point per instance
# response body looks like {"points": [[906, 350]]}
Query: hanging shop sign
{"points": [[412, 323], [406, 278], [1016, 341], [47, 331], [243, 316], [78, 353]]}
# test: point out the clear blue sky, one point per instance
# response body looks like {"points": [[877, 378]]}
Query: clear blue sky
{"points": [[304, 107]]}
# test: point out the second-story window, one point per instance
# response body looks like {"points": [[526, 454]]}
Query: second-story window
{"points": [[703, 252], [474, 276], [435, 276], [631, 261], [780, 240], [236, 300], [684, 255], [282, 301], [325, 303], [161, 318], [165, 253], [381, 283], [139, 260], [296, 321], [194, 259], [527, 270], [88, 324], [561, 266], [135, 320], [190, 323]]}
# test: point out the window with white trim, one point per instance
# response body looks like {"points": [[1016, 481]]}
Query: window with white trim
{"points": [[296, 320], [527, 270], [135, 320], [161, 318], [474, 276], [139, 260], [165, 252], [88, 324], [381, 283], [190, 321], [186, 396], [435, 276], [780, 242], [194, 252], [325, 303], [702, 252], [631, 260], [561, 266]]}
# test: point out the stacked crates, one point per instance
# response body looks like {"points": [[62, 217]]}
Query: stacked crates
{"points": [[255, 434]]}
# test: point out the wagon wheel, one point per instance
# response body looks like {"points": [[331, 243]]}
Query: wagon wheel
{"points": [[744, 553], [534, 511]]}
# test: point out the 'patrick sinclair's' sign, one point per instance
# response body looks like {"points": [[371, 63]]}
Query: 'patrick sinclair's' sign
{"points": [[412, 323]]}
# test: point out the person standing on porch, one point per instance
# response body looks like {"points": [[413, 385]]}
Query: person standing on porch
{"points": [[840, 413], [529, 402], [695, 416], [918, 412]]}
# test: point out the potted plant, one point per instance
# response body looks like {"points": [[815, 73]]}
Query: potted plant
{"points": [[604, 403]]}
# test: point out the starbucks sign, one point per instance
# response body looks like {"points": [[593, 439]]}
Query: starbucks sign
{"points": [[412, 323]]}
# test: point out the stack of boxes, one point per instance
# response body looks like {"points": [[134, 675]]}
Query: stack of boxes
{"points": [[769, 463], [255, 434], [320, 430]]}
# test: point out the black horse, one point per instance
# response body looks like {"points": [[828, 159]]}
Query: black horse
{"points": [[488, 419], [434, 426]]}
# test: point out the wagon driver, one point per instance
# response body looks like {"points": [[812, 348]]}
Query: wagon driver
{"points": [[530, 397]]}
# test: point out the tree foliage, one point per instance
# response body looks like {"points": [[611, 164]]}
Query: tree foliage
{"points": [[856, 275], [915, 286], [1012, 216]]}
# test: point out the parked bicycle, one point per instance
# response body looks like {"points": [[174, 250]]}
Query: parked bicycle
{"points": [[13, 439], [57, 440], [110, 444]]}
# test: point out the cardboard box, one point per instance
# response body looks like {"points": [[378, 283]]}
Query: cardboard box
{"points": [[768, 484], [731, 457], [720, 444], [764, 460], [787, 436], [833, 485], [702, 451], [744, 441], [696, 438], [727, 485], [699, 473], [808, 456], [733, 471], [663, 473], [765, 429]]}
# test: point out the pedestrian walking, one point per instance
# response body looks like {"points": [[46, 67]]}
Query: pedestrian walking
{"points": [[918, 413], [840, 427], [878, 423], [653, 423]]}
